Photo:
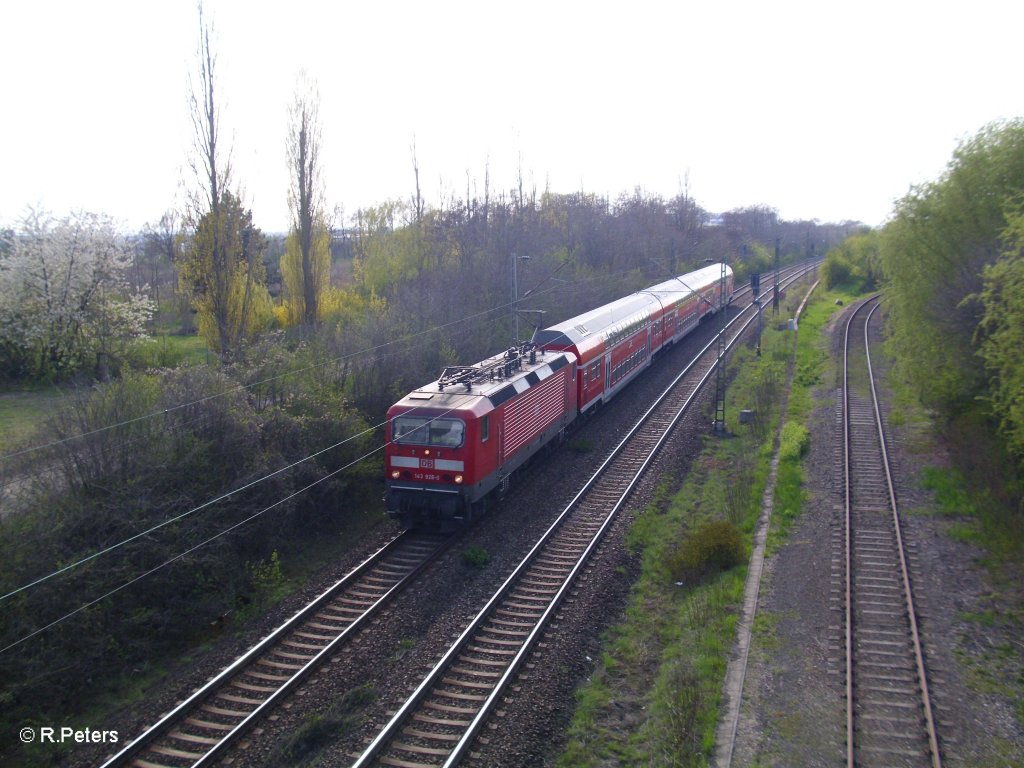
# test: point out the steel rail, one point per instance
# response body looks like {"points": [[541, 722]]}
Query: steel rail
{"points": [[392, 728], [933, 740], [908, 602], [176, 715]]}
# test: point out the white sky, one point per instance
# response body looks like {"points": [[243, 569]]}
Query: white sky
{"points": [[820, 109]]}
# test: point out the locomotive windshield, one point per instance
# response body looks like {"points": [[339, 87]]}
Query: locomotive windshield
{"points": [[423, 430]]}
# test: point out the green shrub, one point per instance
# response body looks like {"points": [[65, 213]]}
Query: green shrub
{"points": [[714, 546], [836, 270], [475, 557], [794, 442]]}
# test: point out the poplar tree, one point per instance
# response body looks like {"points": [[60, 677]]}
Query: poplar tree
{"points": [[221, 268], [306, 264]]}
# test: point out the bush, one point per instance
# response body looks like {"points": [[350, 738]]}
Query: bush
{"points": [[714, 546], [475, 557], [836, 270]]}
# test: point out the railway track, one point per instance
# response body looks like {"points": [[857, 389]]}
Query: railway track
{"points": [[199, 730], [438, 723], [889, 711]]}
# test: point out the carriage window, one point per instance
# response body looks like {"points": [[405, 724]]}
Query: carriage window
{"points": [[420, 430]]}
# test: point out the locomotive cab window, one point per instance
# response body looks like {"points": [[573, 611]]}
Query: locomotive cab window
{"points": [[420, 430], [485, 428]]}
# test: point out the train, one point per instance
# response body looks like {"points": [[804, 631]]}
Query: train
{"points": [[457, 441]]}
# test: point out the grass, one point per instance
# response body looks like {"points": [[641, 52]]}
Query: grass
{"points": [[666, 660], [170, 350], [23, 411], [305, 746]]}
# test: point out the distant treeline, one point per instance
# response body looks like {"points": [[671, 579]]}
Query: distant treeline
{"points": [[144, 440]]}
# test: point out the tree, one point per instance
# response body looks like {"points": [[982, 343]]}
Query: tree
{"points": [[306, 265], [221, 267], [65, 299], [933, 255], [1002, 333]]}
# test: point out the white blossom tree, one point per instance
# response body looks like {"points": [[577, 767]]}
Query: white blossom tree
{"points": [[65, 299]]}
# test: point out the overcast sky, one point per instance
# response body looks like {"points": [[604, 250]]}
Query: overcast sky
{"points": [[822, 110]]}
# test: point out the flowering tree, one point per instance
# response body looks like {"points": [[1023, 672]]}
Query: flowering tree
{"points": [[65, 301]]}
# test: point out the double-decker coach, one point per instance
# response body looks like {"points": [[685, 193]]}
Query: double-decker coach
{"points": [[613, 343]]}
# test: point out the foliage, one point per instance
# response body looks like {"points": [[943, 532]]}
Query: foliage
{"points": [[1001, 333], [934, 253], [714, 546], [303, 747], [475, 557], [180, 439], [221, 269], [855, 258], [306, 276], [66, 304]]}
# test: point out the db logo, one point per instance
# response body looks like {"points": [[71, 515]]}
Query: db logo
{"points": [[426, 463]]}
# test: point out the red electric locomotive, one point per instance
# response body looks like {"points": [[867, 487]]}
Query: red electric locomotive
{"points": [[453, 441]]}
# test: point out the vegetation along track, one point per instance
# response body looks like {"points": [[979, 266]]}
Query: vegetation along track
{"points": [[439, 722], [889, 714], [200, 729]]}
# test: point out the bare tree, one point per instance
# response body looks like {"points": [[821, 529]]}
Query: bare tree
{"points": [[306, 264]]}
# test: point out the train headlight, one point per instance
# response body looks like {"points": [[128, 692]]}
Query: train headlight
{"points": [[395, 474], [458, 479]]}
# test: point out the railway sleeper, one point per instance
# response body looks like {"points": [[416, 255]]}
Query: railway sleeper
{"points": [[471, 711], [172, 752], [296, 644], [483, 638], [193, 738], [436, 735], [523, 632], [483, 662], [415, 749], [232, 713], [474, 672], [441, 721], [467, 683], [208, 724]]}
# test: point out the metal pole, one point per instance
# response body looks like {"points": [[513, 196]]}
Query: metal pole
{"points": [[719, 424], [775, 293], [515, 301]]}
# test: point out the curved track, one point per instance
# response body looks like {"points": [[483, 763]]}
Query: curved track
{"points": [[200, 729], [889, 712], [438, 724]]}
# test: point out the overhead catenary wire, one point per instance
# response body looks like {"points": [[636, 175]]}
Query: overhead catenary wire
{"points": [[224, 496], [200, 545], [241, 387], [183, 515], [209, 540], [532, 293]]}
